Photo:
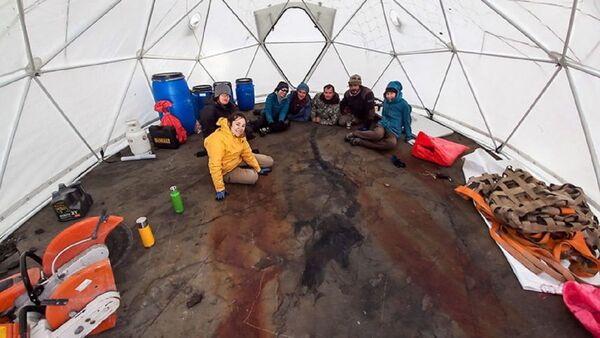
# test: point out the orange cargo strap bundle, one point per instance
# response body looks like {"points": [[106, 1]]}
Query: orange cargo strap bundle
{"points": [[538, 227]]}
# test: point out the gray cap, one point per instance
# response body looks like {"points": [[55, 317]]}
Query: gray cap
{"points": [[222, 89], [355, 80]]}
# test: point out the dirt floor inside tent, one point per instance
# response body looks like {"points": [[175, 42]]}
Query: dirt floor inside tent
{"points": [[335, 242]]}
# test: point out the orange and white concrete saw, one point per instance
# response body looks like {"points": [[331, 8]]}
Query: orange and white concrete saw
{"points": [[74, 293]]}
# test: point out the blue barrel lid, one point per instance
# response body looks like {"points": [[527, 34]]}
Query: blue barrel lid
{"points": [[167, 76], [243, 80], [202, 88]]}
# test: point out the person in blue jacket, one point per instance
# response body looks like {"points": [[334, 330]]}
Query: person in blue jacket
{"points": [[274, 117], [394, 121], [300, 104]]}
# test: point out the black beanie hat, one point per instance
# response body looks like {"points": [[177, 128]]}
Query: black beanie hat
{"points": [[281, 85]]}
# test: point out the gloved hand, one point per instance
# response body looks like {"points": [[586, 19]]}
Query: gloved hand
{"points": [[221, 195], [264, 171]]}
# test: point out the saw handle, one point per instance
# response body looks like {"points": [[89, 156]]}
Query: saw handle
{"points": [[23, 317], [32, 292]]}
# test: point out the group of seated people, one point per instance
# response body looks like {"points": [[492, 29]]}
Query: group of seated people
{"points": [[226, 133]]}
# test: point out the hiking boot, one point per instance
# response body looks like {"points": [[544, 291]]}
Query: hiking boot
{"points": [[349, 137], [264, 131], [355, 141]]}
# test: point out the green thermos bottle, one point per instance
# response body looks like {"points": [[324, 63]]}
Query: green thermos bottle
{"points": [[176, 200]]}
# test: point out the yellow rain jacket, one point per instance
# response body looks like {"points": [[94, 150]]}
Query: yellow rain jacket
{"points": [[226, 152]]}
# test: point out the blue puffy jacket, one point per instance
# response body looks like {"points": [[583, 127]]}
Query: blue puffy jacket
{"points": [[396, 114], [275, 110]]}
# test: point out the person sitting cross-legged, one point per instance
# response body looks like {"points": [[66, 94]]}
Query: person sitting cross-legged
{"points": [[300, 104], [326, 107], [227, 149], [388, 129], [274, 117]]}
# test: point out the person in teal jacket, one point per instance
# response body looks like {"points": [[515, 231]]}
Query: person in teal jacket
{"points": [[395, 120], [274, 117]]}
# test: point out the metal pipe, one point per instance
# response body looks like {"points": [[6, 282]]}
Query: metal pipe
{"points": [[569, 31], [25, 34]]}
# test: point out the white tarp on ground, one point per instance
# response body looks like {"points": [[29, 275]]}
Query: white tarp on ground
{"points": [[520, 77]]}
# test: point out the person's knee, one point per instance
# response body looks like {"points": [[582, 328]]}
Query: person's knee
{"points": [[253, 177]]}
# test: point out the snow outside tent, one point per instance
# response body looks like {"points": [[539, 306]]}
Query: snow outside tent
{"points": [[520, 77]]}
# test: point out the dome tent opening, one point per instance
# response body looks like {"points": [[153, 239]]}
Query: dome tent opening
{"points": [[519, 77]]}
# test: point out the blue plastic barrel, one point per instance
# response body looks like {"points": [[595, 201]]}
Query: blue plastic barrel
{"points": [[173, 87], [227, 83], [244, 91], [201, 93]]}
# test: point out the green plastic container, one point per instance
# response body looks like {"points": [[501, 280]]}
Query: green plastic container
{"points": [[176, 200]]}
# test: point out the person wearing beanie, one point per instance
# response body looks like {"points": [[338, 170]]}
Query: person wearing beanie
{"points": [[358, 104], [326, 107], [274, 116], [300, 104], [392, 124], [220, 106]]}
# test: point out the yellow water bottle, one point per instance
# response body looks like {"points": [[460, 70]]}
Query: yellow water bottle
{"points": [[145, 232]]}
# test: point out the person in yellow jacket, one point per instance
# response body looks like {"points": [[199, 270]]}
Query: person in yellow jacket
{"points": [[227, 149]]}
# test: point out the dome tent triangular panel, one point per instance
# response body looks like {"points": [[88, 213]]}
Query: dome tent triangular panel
{"points": [[429, 13], [477, 27], [17, 89], [557, 141], [40, 140], [406, 32], [548, 21], [329, 70], [167, 14], [94, 45], [456, 106], [395, 73], [11, 41], [51, 25], [229, 66], [369, 65], [584, 46], [588, 89], [184, 39], [295, 69], [264, 74], [155, 66], [199, 76], [426, 71], [224, 31], [367, 29], [92, 107], [502, 106]]}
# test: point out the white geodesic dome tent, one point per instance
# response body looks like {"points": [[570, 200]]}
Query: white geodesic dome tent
{"points": [[521, 77]]}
